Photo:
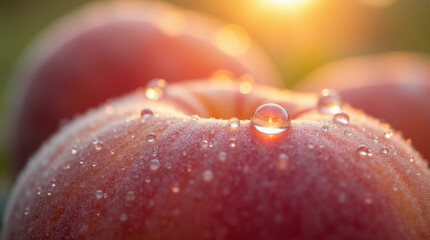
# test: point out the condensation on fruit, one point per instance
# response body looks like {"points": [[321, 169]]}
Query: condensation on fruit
{"points": [[271, 118]]}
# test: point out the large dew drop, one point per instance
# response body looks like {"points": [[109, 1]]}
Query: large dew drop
{"points": [[329, 102], [271, 118], [341, 117]]}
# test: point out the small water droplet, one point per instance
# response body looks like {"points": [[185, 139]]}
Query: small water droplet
{"points": [[388, 134], [341, 117], [311, 146], [325, 128], [204, 144], [38, 191], [53, 182], [74, 150], [81, 162], [411, 159], [98, 145], [222, 156], [123, 217], [130, 196], [347, 133], [99, 194], [282, 162], [384, 150], [375, 139], [175, 189], [364, 151], [234, 122], [329, 102], [112, 151], [368, 200], [67, 167], [26, 210], [145, 114], [147, 179], [154, 164], [208, 175], [271, 118], [232, 142], [151, 137], [195, 117], [395, 189]]}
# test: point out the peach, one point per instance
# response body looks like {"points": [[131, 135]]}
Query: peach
{"points": [[141, 169], [394, 87], [108, 49]]}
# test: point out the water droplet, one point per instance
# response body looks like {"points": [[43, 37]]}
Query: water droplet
{"points": [[154, 164], [208, 175], [26, 210], [347, 133], [53, 182], [329, 102], [99, 194], [364, 151], [282, 162], [155, 88], [175, 189], [74, 150], [222, 156], [195, 117], [123, 217], [311, 146], [368, 200], [271, 118], [98, 145], [325, 128], [151, 137], [145, 114], [204, 144], [411, 159], [130, 196], [147, 179], [341, 117], [395, 189], [67, 167], [384, 150], [112, 151], [232, 142], [234, 122], [388, 134], [39, 191], [375, 139], [81, 162]]}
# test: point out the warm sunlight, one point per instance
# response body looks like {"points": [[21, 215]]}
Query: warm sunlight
{"points": [[290, 3]]}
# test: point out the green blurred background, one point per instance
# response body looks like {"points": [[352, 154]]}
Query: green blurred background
{"points": [[298, 35]]}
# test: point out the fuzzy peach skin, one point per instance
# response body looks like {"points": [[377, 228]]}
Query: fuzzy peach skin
{"points": [[394, 87], [100, 177], [105, 50]]}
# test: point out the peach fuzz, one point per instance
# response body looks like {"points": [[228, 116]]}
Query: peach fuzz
{"points": [[111, 174], [105, 50], [394, 87]]}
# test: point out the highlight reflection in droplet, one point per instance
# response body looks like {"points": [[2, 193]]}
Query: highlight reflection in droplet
{"points": [[271, 118]]}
